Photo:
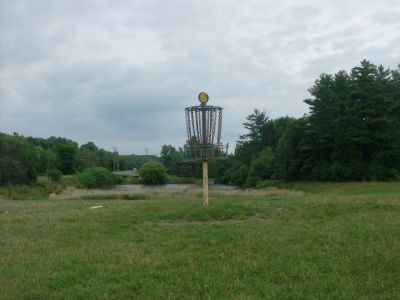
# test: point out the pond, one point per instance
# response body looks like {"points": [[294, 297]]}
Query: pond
{"points": [[176, 187]]}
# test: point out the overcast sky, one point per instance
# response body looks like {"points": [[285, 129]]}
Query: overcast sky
{"points": [[120, 73]]}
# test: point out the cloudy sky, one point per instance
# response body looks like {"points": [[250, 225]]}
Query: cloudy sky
{"points": [[120, 73]]}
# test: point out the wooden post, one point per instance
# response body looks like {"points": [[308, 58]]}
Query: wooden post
{"points": [[205, 184]]}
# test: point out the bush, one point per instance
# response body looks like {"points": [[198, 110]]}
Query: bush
{"points": [[239, 176], [55, 174], [263, 167], [153, 172], [12, 172], [70, 180], [343, 172], [382, 173], [49, 186], [97, 177], [18, 160], [24, 192]]}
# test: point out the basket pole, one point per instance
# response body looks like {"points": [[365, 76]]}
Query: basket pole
{"points": [[205, 184]]}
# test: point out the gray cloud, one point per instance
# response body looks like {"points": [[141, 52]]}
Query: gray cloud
{"points": [[120, 73]]}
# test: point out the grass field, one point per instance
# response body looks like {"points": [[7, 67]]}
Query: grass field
{"points": [[312, 241]]}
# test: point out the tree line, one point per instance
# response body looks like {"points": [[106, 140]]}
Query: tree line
{"points": [[22, 159], [351, 132]]}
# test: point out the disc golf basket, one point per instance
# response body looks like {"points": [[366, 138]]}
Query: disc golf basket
{"points": [[203, 126]]}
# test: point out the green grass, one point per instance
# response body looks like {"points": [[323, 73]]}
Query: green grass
{"points": [[329, 241]]}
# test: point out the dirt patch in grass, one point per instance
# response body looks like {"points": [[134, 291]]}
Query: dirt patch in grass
{"points": [[181, 223]]}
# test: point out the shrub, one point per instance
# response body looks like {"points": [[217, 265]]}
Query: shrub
{"points": [[12, 172], [239, 176], [263, 167], [18, 160], [70, 180], [153, 172], [381, 173], [55, 174], [24, 192], [49, 186], [97, 177]]}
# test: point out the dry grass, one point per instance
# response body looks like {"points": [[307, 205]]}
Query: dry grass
{"points": [[73, 193], [158, 193]]}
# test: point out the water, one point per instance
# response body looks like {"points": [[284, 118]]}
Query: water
{"points": [[174, 187]]}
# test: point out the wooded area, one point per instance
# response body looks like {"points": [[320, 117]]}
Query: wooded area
{"points": [[352, 132]]}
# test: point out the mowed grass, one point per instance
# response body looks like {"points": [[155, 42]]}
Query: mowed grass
{"points": [[316, 241]]}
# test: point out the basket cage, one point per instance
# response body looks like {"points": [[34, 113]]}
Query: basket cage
{"points": [[203, 125]]}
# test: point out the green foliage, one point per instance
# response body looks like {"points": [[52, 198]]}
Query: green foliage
{"points": [[66, 156], [18, 160], [262, 167], [192, 169], [170, 158], [153, 172], [12, 171], [89, 156], [255, 124], [23, 192], [128, 162], [252, 143], [22, 159], [37, 191], [49, 186], [70, 180], [55, 174], [352, 132], [239, 177], [288, 157], [354, 129], [97, 177]]}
